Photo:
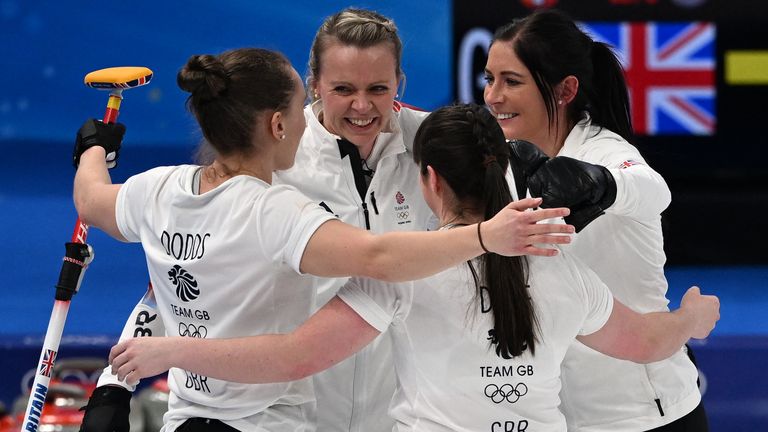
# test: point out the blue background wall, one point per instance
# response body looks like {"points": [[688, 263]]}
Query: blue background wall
{"points": [[48, 47]]}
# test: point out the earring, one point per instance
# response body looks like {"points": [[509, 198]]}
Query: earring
{"points": [[282, 137], [317, 96], [560, 102]]}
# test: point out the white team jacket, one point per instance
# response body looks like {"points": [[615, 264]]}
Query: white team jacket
{"points": [[625, 248], [355, 394]]}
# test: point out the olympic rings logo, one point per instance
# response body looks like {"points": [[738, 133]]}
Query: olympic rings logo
{"points": [[402, 215], [193, 331], [506, 392]]}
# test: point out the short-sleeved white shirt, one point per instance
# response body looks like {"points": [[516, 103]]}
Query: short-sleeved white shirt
{"points": [[224, 264], [449, 377]]}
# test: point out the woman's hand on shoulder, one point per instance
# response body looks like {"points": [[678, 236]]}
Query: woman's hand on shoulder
{"points": [[516, 229]]}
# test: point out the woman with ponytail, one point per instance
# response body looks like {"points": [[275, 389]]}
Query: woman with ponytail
{"points": [[476, 347], [551, 84]]}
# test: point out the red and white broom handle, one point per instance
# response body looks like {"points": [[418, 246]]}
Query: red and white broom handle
{"points": [[78, 256]]}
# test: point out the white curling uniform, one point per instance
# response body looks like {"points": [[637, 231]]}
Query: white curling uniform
{"points": [[225, 264], [625, 247], [355, 394], [449, 376]]}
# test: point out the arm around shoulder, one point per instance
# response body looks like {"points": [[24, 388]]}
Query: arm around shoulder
{"points": [[641, 192], [337, 249], [332, 334]]}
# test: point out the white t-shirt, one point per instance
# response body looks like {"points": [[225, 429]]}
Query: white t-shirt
{"points": [[449, 377], [224, 264]]}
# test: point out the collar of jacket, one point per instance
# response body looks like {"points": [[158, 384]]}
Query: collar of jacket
{"points": [[577, 135], [583, 134]]}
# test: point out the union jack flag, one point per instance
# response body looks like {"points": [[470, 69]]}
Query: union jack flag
{"points": [[628, 163], [46, 366], [670, 70]]}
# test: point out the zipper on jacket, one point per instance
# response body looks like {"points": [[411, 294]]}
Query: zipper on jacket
{"points": [[365, 213], [652, 388], [373, 201], [349, 150]]}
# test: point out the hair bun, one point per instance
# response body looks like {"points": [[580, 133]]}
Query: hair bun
{"points": [[204, 76]]}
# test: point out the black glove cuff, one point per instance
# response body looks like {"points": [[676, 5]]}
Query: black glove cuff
{"points": [[610, 190], [524, 159], [109, 395], [94, 133], [581, 216]]}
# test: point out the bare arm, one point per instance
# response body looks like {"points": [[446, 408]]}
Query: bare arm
{"points": [[94, 194], [646, 338], [337, 249], [332, 334]]}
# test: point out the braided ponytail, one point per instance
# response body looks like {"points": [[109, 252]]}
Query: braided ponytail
{"points": [[465, 146]]}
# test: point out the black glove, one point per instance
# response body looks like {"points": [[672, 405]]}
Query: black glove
{"points": [[585, 188], [524, 159], [95, 133], [107, 410]]}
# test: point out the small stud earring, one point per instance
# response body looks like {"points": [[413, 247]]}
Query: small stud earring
{"points": [[282, 137], [317, 96], [560, 102]]}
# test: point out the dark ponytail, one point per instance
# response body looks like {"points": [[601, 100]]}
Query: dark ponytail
{"points": [[610, 88], [553, 47], [465, 146]]}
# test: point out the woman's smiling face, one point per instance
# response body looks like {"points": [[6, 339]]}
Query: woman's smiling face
{"points": [[358, 88]]}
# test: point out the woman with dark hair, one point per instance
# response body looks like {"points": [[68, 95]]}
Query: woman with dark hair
{"points": [[476, 347], [549, 83], [226, 249]]}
